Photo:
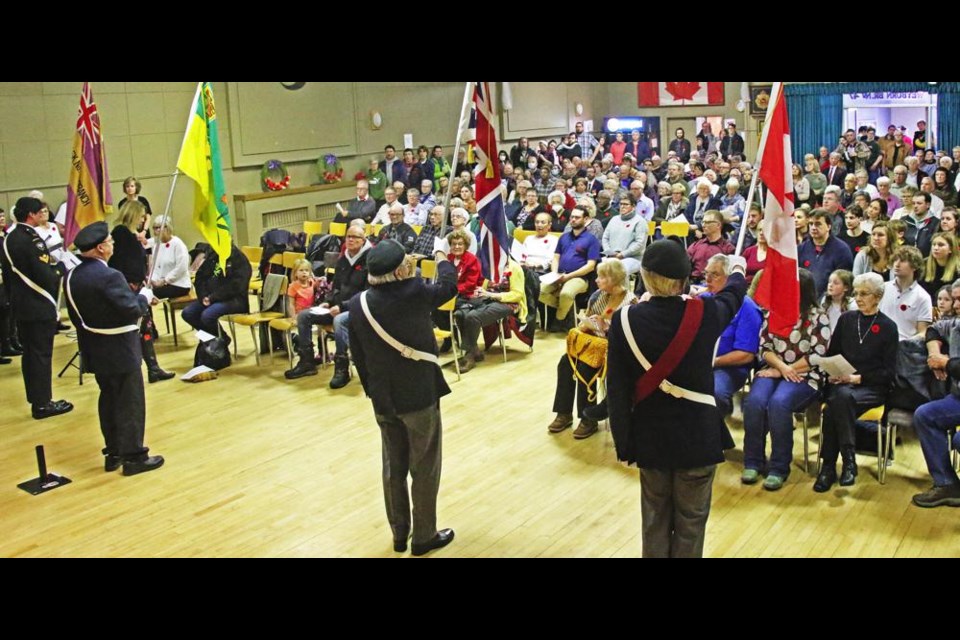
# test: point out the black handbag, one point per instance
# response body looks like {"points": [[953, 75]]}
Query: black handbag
{"points": [[213, 353]]}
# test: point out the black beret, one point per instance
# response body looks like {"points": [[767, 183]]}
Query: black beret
{"points": [[91, 235], [385, 258], [667, 258]]}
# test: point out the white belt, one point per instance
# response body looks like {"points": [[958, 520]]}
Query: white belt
{"points": [[665, 385], [405, 351], [112, 331], [27, 281]]}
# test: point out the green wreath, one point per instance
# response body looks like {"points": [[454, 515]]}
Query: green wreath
{"points": [[274, 176], [330, 169]]}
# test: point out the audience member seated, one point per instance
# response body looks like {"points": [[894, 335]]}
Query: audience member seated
{"points": [[349, 278], [579, 370], [491, 304], [785, 384], [383, 214], [838, 297], [398, 230], [878, 256], [940, 267], [540, 247], [822, 253], [171, 262], [459, 219], [625, 237], [934, 420], [701, 204], [414, 212], [904, 300], [711, 244], [739, 343], [362, 207], [575, 259], [921, 224], [868, 340], [528, 212], [755, 255], [219, 291], [423, 247]]}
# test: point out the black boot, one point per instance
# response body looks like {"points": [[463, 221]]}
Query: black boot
{"points": [[341, 372], [827, 477], [306, 366], [848, 475], [7, 349], [154, 372]]}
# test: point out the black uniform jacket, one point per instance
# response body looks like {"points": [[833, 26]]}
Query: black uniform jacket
{"points": [[30, 256], [664, 432], [395, 384], [104, 301]]}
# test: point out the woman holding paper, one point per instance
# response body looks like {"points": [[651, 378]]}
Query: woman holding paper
{"points": [[785, 384], [867, 340]]}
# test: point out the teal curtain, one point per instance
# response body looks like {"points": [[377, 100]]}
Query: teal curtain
{"points": [[815, 121], [948, 121], [832, 88]]}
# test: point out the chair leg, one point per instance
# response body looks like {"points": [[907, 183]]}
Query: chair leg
{"points": [[173, 325], [269, 344], [233, 336], [456, 345], [288, 336], [256, 347], [806, 443], [503, 341], [166, 317]]}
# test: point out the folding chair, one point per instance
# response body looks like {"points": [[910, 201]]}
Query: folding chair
{"points": [[253, 320]]}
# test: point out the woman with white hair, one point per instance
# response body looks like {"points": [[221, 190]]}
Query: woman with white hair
{"points": [[868, 340], [732, 204], [171, 262], [698, 206], [555, 207], [459, 217]]}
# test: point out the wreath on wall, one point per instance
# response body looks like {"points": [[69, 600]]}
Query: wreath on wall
{"points": [[274, 176], [331, 170]]}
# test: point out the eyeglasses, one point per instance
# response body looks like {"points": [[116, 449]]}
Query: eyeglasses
{"points": [[354, 237], [707, 275]]}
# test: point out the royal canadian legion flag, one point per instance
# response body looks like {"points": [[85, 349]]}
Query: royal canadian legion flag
{"points": [[678, 94]]}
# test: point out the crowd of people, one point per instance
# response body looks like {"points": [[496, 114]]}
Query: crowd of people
{"points": [[876, 228]]}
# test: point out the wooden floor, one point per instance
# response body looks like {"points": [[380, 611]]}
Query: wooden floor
{"points": [[261, 466]]}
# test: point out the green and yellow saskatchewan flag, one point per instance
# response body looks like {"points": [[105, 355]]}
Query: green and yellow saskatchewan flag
{"points": [[200, 161]]}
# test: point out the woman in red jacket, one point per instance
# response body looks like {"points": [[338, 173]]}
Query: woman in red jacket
{"points": [[469, 278]]}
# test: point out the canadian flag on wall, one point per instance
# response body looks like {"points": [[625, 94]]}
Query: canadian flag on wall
{"points": [[678, 94]]}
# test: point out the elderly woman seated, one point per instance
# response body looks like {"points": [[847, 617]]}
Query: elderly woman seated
{"points": [[171, 262], [490, 304], [867, 339], [583, 364]]}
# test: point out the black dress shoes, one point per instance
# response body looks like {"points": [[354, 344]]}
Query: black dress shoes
{"points": [[848, 475], [51, 408], [5, 360], [111, 462], [400, 544], [8, 350], [142, 466], [442, 539], [826, 479]]}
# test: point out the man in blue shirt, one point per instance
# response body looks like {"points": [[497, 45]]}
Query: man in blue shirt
{"points": [[821, 253], [575, 260], [739, 344]]}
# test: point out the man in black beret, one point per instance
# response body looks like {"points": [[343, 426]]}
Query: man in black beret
{"points": [[395, 352], [32, 284], [663, 414], [106, 314]]}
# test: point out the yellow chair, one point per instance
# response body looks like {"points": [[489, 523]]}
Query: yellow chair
{"points": [[252, 320], [679, 229], [441, 334], [253, 254], [876, 414], [428, 269], [338, 229], [522, 234], [418, 228], [651, 229], [374, 229], [289, 258], [312, 228]]}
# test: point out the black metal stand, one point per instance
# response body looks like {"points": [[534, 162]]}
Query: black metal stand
{"points": [[79, 367], [44, 481]]}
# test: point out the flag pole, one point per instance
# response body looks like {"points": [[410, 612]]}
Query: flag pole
{"points": [[456, 152], [173, 183], [774, 96]]}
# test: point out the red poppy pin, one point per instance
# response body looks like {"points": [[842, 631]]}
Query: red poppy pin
{"points": [[857, 250], [545, 241], [806, 323], [806, 263], [357, 268], [875, 328], [903, 307]]}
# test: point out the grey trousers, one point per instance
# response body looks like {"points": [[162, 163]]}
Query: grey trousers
{"points": [[674, 507], [412, 444], [472, 322]]}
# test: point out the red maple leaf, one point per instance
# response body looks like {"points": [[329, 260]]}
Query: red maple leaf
{"points": [[682, 90]]}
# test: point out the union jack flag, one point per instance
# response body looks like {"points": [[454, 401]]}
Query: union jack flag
{"points": [[494, 241]]}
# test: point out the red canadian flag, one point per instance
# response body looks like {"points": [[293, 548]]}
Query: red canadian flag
{"points": [[665, 94], [779, 288]]}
